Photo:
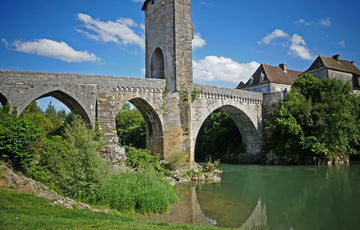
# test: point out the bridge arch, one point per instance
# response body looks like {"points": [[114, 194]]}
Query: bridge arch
{"points": [[251, 137], [157, 65], [3, 99], [73, 103], [153, 123]]}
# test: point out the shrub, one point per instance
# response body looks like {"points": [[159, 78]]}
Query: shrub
{"points": [[144, 191], [19, 140], [74, 162], [176, 161], [141, 158]]}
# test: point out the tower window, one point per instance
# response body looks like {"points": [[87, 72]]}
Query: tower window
{"points": [[157, 64]]}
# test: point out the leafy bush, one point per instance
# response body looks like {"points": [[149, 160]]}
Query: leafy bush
{"points": [[20, 140], [141, 158], [176, 161], [74, 162], [143, 192]]}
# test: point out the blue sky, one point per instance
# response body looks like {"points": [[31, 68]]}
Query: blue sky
{"points": [[232, 37]]}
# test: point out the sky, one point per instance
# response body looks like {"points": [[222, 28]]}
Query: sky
{"points": [[232, 37]]}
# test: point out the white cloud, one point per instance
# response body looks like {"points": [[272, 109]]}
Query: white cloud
{"points": [[325, 22], [270, 37], [119, 31], [198, 41], [54, 49], [298, 48], [3, 40], [302, 21], [342, 43], [137, 0], [213, 68]]}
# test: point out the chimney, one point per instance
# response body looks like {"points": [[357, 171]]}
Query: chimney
{"points": [[337, 57], [283, 67], [353, 62]]}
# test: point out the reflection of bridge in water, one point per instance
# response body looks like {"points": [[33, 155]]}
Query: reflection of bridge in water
{"points": [[188, 211]]}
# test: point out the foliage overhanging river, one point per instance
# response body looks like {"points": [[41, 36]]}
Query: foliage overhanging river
{"points": [[274, 197]]}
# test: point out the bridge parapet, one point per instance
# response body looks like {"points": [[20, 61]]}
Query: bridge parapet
{"points": [[242, 96], [103, 82]]}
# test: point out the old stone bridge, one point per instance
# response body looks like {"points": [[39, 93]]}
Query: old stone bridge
{"points": [[173, 106]]}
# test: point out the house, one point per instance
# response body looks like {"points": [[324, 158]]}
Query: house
{"points": [[268, 79], [335, 68]]}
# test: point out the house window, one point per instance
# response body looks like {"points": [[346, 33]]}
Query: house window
{"points": [[262, 77]]}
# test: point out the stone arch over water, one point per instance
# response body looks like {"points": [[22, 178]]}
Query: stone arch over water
{"points": [[157, 69], [72, 103], [154, 129], [251, 138]]}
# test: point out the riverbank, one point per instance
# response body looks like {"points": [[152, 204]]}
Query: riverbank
{"points": [[26, 211], [27, 204]]}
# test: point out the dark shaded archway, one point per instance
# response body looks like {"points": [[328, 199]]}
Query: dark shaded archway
{"points": [[248, 139], [70, 102], [157, 64], [3, 100]]}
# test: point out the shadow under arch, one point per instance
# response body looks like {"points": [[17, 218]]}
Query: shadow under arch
{"points": [[3, 99], [250, 136], [154, 130], [69, 101], [157, 64]]}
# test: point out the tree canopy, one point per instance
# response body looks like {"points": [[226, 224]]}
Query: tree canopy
{"points": [[318, 122]]}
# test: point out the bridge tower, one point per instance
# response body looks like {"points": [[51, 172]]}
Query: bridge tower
{"points": [[168, 55]]}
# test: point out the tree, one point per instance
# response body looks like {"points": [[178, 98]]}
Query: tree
{"points": [[319, 122], [131, 128], [218, 137], [20, 140]]}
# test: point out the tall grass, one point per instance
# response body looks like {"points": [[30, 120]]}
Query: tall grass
{"points": [[144, 192]]}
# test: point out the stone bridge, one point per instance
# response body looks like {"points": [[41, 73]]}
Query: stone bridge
{"points": [[173, 118], [101, 98]]}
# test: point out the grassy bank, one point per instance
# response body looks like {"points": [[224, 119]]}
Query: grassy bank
{"points": [[26, 211]]}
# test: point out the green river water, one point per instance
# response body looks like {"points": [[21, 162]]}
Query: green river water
{"points": [[274, 197], [284, 197]]}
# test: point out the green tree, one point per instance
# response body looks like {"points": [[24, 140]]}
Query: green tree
{"points": [[74, 161], [319, 122], [131, 128], [56, 117], [218, 137], [20, 140]]}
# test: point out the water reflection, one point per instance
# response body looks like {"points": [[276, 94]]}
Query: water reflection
{"points": [[284, 197], [273, 197], [187, 211]]}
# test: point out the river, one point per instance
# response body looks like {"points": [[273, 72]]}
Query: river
{"points": [[274, 197]]}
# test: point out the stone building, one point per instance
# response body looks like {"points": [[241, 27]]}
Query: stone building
{"points": [[269, 79], [335, 68]]}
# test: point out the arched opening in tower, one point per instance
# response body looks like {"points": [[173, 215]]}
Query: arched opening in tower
{"points": [[157, 64], [139, 126], [218, 138]]}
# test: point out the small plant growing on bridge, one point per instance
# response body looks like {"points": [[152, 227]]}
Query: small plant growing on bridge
{"points": [[165, 91], [195, 93]]}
